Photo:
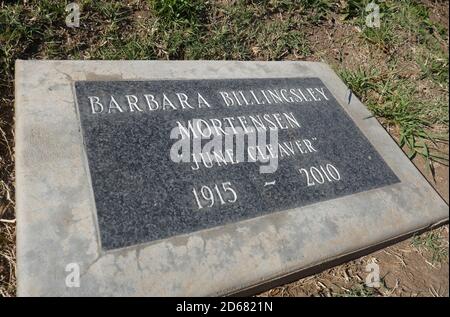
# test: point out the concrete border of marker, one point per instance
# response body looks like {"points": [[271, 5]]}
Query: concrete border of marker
{"points": [[58, 251]]}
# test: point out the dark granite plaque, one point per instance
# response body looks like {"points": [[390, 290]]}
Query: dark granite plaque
{"points": [[142, 195]]}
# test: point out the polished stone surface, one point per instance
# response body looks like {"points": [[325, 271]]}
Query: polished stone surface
{"points": [[142, 195]]}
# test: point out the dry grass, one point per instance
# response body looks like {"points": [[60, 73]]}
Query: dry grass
{"points": [[7, 258], [7, 216], [7, 220]]}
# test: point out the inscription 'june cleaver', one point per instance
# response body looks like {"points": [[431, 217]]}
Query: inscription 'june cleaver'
{"points": [[170, 157]]}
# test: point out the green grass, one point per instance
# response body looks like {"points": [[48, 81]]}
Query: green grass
{"points": [[422, 119], [396, 100], [434, 68], [434, 244], [180, 11], [358, 290]]}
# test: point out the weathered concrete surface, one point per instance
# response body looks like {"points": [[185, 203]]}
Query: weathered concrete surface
{"points": [[56, 222]]}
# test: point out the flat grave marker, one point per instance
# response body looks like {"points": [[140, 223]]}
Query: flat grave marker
{"points": [[200, 178]]}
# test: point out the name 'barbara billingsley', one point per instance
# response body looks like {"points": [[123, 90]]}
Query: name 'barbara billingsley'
{"points": [[180, 101]]}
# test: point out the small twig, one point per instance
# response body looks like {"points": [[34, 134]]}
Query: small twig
{"points": [[433, 291], [3, 133], [8, 220]]}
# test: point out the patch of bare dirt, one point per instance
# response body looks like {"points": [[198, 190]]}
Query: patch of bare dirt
{"points": [[438, 10], [405, 270]]}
